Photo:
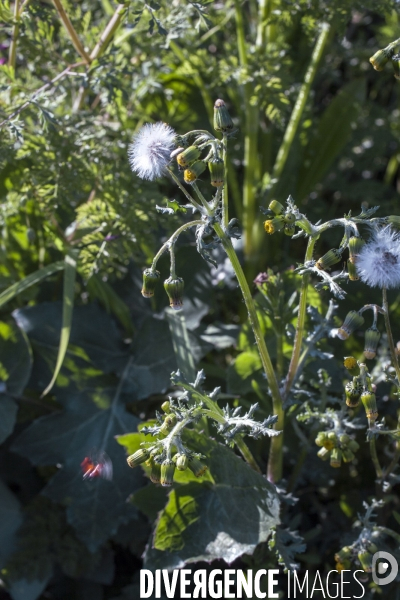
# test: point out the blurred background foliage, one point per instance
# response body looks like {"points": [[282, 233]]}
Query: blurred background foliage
{"points": [[67, 114]]}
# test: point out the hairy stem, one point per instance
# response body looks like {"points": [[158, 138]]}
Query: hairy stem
{"points": [[392, 348], [225, 204], [173, 239], [184, 190], [109, 31], [275, 456], [298, 340], [71, 31]]}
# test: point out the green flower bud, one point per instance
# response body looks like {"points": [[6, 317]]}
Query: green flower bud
{"points": [[155, 475], [352, 321], [168, 425], [188, 156], [191, 174], [182, 462], [380, 58], [196, 466], [344, 439], [222, 118], [348, 455], [372, 337], [332, 257], [276, 207], [217, 172], [352, 271], [167, 473], [174, 288], [321, 438], [336, 458], [273, 225], [343, 554], [290, 218], [353, 445], [355, 246], [394, 220], [139, 457], [365, 558], [289, 229], [166, 406], [372, 547], [369, 401], [150, 280], [324, 453], [353, 391]]}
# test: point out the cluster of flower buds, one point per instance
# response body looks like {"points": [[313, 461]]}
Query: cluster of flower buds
{"points": [[173, 286], [361, 388], [364, 552], [336, 447], [205, 150], [353, 321], [334, 255], [280, 219], [385, 55], [158, 456]]}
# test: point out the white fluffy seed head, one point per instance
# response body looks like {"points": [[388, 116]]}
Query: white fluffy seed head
{"points": [[150, 150], [378, 263]]}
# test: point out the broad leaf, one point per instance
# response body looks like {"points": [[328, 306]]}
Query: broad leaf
{"points": [[10, 520], [221, 518]]}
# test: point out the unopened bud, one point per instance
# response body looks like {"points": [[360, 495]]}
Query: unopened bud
{"points": [[352, 321], [380, 58], [343, 554], [188, 156], [290, 218], [396, 65], [167, 472], [372, 337], [155, 475], [191, 174], [354, 446], [332, 257], [276, 207], [352, 271], [139, 457], [321, 438], [347, 455], [289, 229], [355, 245], [353, 391], [394, 220], [336, 458], [150, 280], [217, 172], [365, 559], [166, 406], [196, 466], [181, 462], [174, 288], [369, 401], [324, 453], [222, 118], [168, 425]]}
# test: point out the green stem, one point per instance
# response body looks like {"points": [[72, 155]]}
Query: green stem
{"points": [[375, 460], [298, 340], [300, 102], [393, 354], [225, 204], [275, 457], [263, 15], [173, 239], [389, 532], [14, 36], [109, 31], [71, 31], [188, 196]]}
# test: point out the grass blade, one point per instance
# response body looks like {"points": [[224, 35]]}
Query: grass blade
{"points": [[68, 305], [24, 284]]}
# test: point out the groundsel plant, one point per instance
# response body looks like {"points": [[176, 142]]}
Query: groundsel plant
{"points": [[369, 252]]}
